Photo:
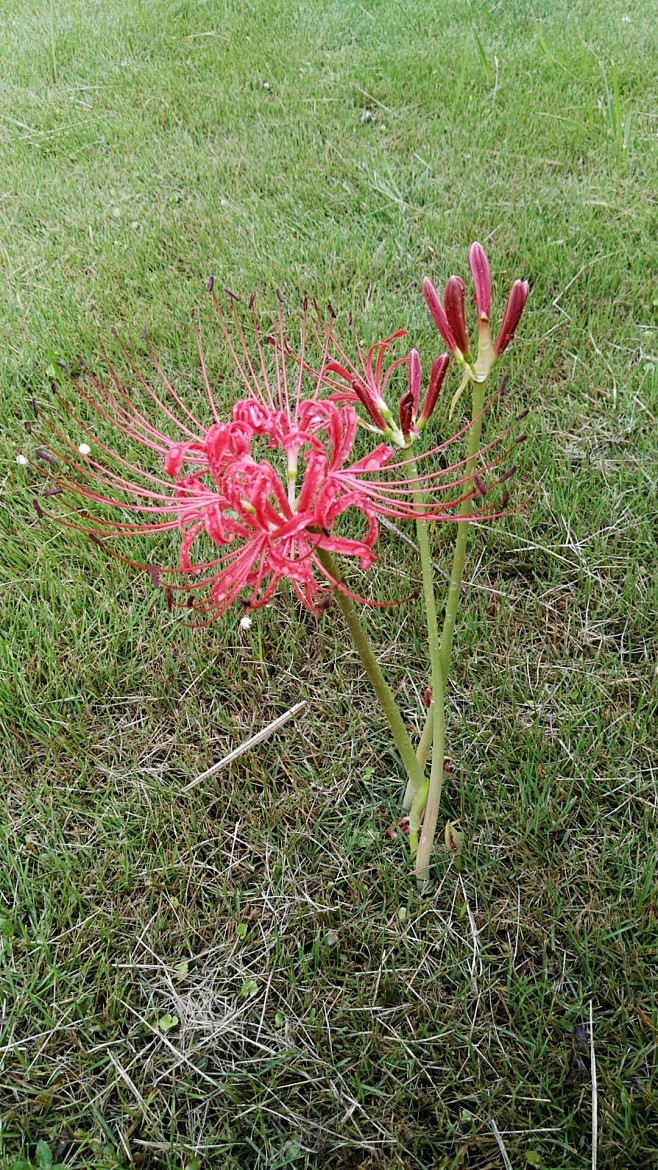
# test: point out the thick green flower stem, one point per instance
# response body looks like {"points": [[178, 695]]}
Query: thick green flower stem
{"points": [[433, 798], [423, 748], [438, 693], [373, 670]]}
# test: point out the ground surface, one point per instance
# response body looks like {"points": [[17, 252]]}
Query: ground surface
{"points": [[328, 1016]]}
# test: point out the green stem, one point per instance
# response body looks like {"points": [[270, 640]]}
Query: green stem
{"points": [[374, 672], [438, 695], [433, 797], [431, 728]]}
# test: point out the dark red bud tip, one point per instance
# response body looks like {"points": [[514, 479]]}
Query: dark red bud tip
{"points": [[155, 580], [453, 300], [349, 320], [427, 698], [480, 484], [522, 414], [54, 492], [330, 310], [479, 266], [114, 331], [439, 315], [211, 283], [505, 499], [522, 439], [35, 408], [169, 598], [37, 508], [28, 427], [437, 376], [514, 308], [47, 457], [190, 601], [305, 304], [96, 540], [252, 300], [279, 295], [231, 294], [447, 764]]}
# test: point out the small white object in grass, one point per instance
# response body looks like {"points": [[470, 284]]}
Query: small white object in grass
{"points": [[84, 449], [245, 622], [21, 460]]}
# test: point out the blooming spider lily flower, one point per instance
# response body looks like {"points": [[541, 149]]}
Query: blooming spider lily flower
{"points": [[259, 495], [369, 381]]}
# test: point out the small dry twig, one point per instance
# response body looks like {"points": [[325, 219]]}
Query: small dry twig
{"points": [[501, 1145], [248, 743], [595, 1102]]}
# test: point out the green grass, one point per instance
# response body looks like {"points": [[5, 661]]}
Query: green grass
{"points": [[328, 1016]]}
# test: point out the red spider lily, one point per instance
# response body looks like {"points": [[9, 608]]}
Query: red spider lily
{"points": [[369, 381], [449, 316], [267, 488]]}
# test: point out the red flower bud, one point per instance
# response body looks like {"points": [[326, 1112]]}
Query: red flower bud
{"points": [[365, 397], [427, 698], [407, 413], [439, 314], [439, 367], [453, 300], [514, 308], [479, 265]]}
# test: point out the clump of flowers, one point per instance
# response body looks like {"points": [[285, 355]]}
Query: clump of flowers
{"points": [[277, 488]]}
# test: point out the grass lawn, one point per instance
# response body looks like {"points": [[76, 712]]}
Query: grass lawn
{"points": [[327, 1015]]}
